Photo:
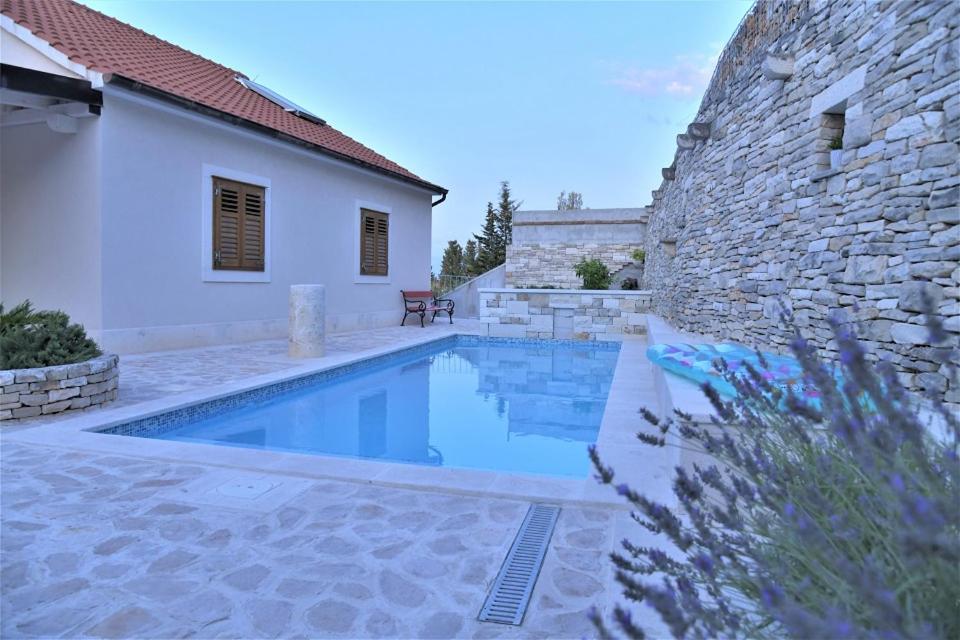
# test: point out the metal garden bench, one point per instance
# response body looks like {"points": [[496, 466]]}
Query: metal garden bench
{"points": [[424, 302]]}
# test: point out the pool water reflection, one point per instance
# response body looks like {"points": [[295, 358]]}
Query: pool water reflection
{"points": [[481, 403]]}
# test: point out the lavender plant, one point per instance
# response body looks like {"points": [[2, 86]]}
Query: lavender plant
{"points": [[835, 519]]}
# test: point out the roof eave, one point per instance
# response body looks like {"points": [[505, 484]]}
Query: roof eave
{"points": [[150, 91]]}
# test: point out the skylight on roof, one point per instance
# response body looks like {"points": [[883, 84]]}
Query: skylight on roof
{"points": [[278, 99]]}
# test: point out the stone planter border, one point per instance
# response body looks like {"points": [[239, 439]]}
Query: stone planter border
{"points": [[25, 393]]}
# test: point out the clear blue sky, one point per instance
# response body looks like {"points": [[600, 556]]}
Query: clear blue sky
{"points": [[550, 96]]}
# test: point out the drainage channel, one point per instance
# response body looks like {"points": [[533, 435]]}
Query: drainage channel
{"points": [[510, 594]]}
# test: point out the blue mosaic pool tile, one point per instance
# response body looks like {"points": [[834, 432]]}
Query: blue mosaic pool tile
{"points": [[591, 345]]}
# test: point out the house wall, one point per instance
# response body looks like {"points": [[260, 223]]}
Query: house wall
{"points": [[547, 245], [752, 216], [154, 293], [50, 219]]}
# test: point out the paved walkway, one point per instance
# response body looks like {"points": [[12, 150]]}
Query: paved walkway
{"points": [[120, 547]]}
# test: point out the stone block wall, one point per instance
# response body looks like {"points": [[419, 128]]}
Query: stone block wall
{"points": [[750, 213], [563, 314], [537, 265], [26, 393], [547, 245]]}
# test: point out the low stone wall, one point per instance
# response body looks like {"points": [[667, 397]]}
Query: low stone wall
{"points": [[25, 393], [563, 313]]}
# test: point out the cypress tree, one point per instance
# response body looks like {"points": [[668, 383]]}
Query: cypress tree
{"points": [[489, 247], [488, 242], [505, 221]]}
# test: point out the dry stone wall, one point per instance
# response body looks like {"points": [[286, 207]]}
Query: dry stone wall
{"points": [[26, 393], [754, 212]]}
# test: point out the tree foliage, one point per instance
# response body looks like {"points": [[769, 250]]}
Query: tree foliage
{"points": [[489, 242], [488, 248], [453, 260], [505, 211], [470, 258], [595, 274], [834, 518], [569, 201], [30, 338]]}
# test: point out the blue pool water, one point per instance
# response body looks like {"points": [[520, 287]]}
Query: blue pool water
{"points": [[505, 405]]}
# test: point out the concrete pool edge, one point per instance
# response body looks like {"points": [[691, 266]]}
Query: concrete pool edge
{"points": [[632, 382]]}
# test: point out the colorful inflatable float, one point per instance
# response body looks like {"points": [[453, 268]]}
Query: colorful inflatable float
{"points": [[696, 362]]}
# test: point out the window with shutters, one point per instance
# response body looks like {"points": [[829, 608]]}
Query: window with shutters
{"points": [[374, 242], [239, 225], [235, 223]]}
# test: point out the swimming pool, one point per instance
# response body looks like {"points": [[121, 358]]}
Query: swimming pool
{"points": [[490, 403]]}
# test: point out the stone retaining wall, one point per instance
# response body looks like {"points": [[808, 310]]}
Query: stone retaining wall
{"points": [[750, 212], [547, 245], [25, 393], [563, 313], [536, 265]]}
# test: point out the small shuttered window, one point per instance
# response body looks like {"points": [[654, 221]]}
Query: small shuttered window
{"points": [[374, 227], [238, 225]]}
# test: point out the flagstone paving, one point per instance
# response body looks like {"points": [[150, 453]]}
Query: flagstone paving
{"points": [[110, 546]]}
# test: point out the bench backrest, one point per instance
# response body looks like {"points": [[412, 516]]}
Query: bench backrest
{"points": [[417, 295]]}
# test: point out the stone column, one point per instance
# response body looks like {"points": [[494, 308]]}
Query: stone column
{"points": [[307, 320]]}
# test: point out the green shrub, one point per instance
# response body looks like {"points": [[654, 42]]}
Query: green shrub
{"points": [[594, 273], [639, 255], [31, 338]]}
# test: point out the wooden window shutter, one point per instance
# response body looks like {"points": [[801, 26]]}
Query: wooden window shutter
{"points": [[374, 242], [254, 218], [239, 222]]}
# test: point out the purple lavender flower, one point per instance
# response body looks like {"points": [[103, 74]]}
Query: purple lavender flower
{"points": [[703, 562], [839, 520]]}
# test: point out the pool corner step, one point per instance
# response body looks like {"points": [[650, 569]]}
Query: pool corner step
{"points": [[511, 591]]}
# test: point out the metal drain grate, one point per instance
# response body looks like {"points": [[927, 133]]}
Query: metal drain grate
{"points": [[508, 598]]}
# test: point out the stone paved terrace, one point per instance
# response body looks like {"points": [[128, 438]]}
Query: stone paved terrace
{"points": [[103, 545], [120, 547]]}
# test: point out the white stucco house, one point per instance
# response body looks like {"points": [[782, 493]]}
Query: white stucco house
{"points": [[166, 201]]}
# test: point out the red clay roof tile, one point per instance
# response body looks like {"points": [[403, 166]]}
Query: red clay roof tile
{"points": [[104, 44]]}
